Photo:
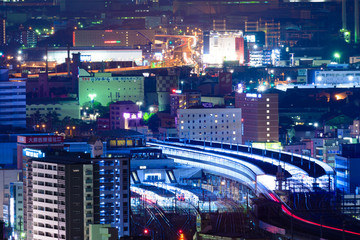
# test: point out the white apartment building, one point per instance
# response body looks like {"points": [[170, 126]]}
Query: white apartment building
{"points": [[59, 199], [210, 124]]}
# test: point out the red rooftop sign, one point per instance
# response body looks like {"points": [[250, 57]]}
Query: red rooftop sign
{"points": [[40, 139]]}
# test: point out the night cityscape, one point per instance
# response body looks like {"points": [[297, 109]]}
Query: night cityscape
{"points": [[179, 119]]}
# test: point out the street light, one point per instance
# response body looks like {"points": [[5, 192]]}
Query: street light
{"points": [[92, 96], [139, 103], [182, 85], [337, 56]]}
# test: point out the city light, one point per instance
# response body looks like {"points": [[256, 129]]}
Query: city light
{"points": [[337, 56], [92, 96], [261, 88]]}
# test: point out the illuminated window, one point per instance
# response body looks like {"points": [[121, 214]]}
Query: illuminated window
{"points": [[182, 127], [267, 123], [216, 121], [267, 117], [216, 115], [268, 135], [267, 105], [234, 132], [182, 121], [233, 114], [268, 99], [267, 111], [268, 129]]}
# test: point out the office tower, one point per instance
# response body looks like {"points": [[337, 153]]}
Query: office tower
{"points": [[210, 124], [260, 117], [59, 198]]}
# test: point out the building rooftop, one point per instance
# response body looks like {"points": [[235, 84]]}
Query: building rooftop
{"points": [[120, 133]]}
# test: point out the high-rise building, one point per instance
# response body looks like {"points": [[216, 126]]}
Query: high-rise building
{"points": [[210, 124], [59, 198], [260, 117], [112, 193], [12, 101]]}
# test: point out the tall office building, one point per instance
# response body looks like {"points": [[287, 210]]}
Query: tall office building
{"points": [[210, 124], [59, 198], [260, 116], [112, 193], [12, 101]]}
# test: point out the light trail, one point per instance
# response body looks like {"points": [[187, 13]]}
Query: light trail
{"points": [[289, 213], [264, 190]]}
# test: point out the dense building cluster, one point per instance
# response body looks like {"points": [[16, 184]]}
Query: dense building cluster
{"points": [[115, 116]]}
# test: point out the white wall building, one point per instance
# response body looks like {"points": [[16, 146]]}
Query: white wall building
{"points": [[210, 124], [59, 199], [97, 55], [338, 78]]}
